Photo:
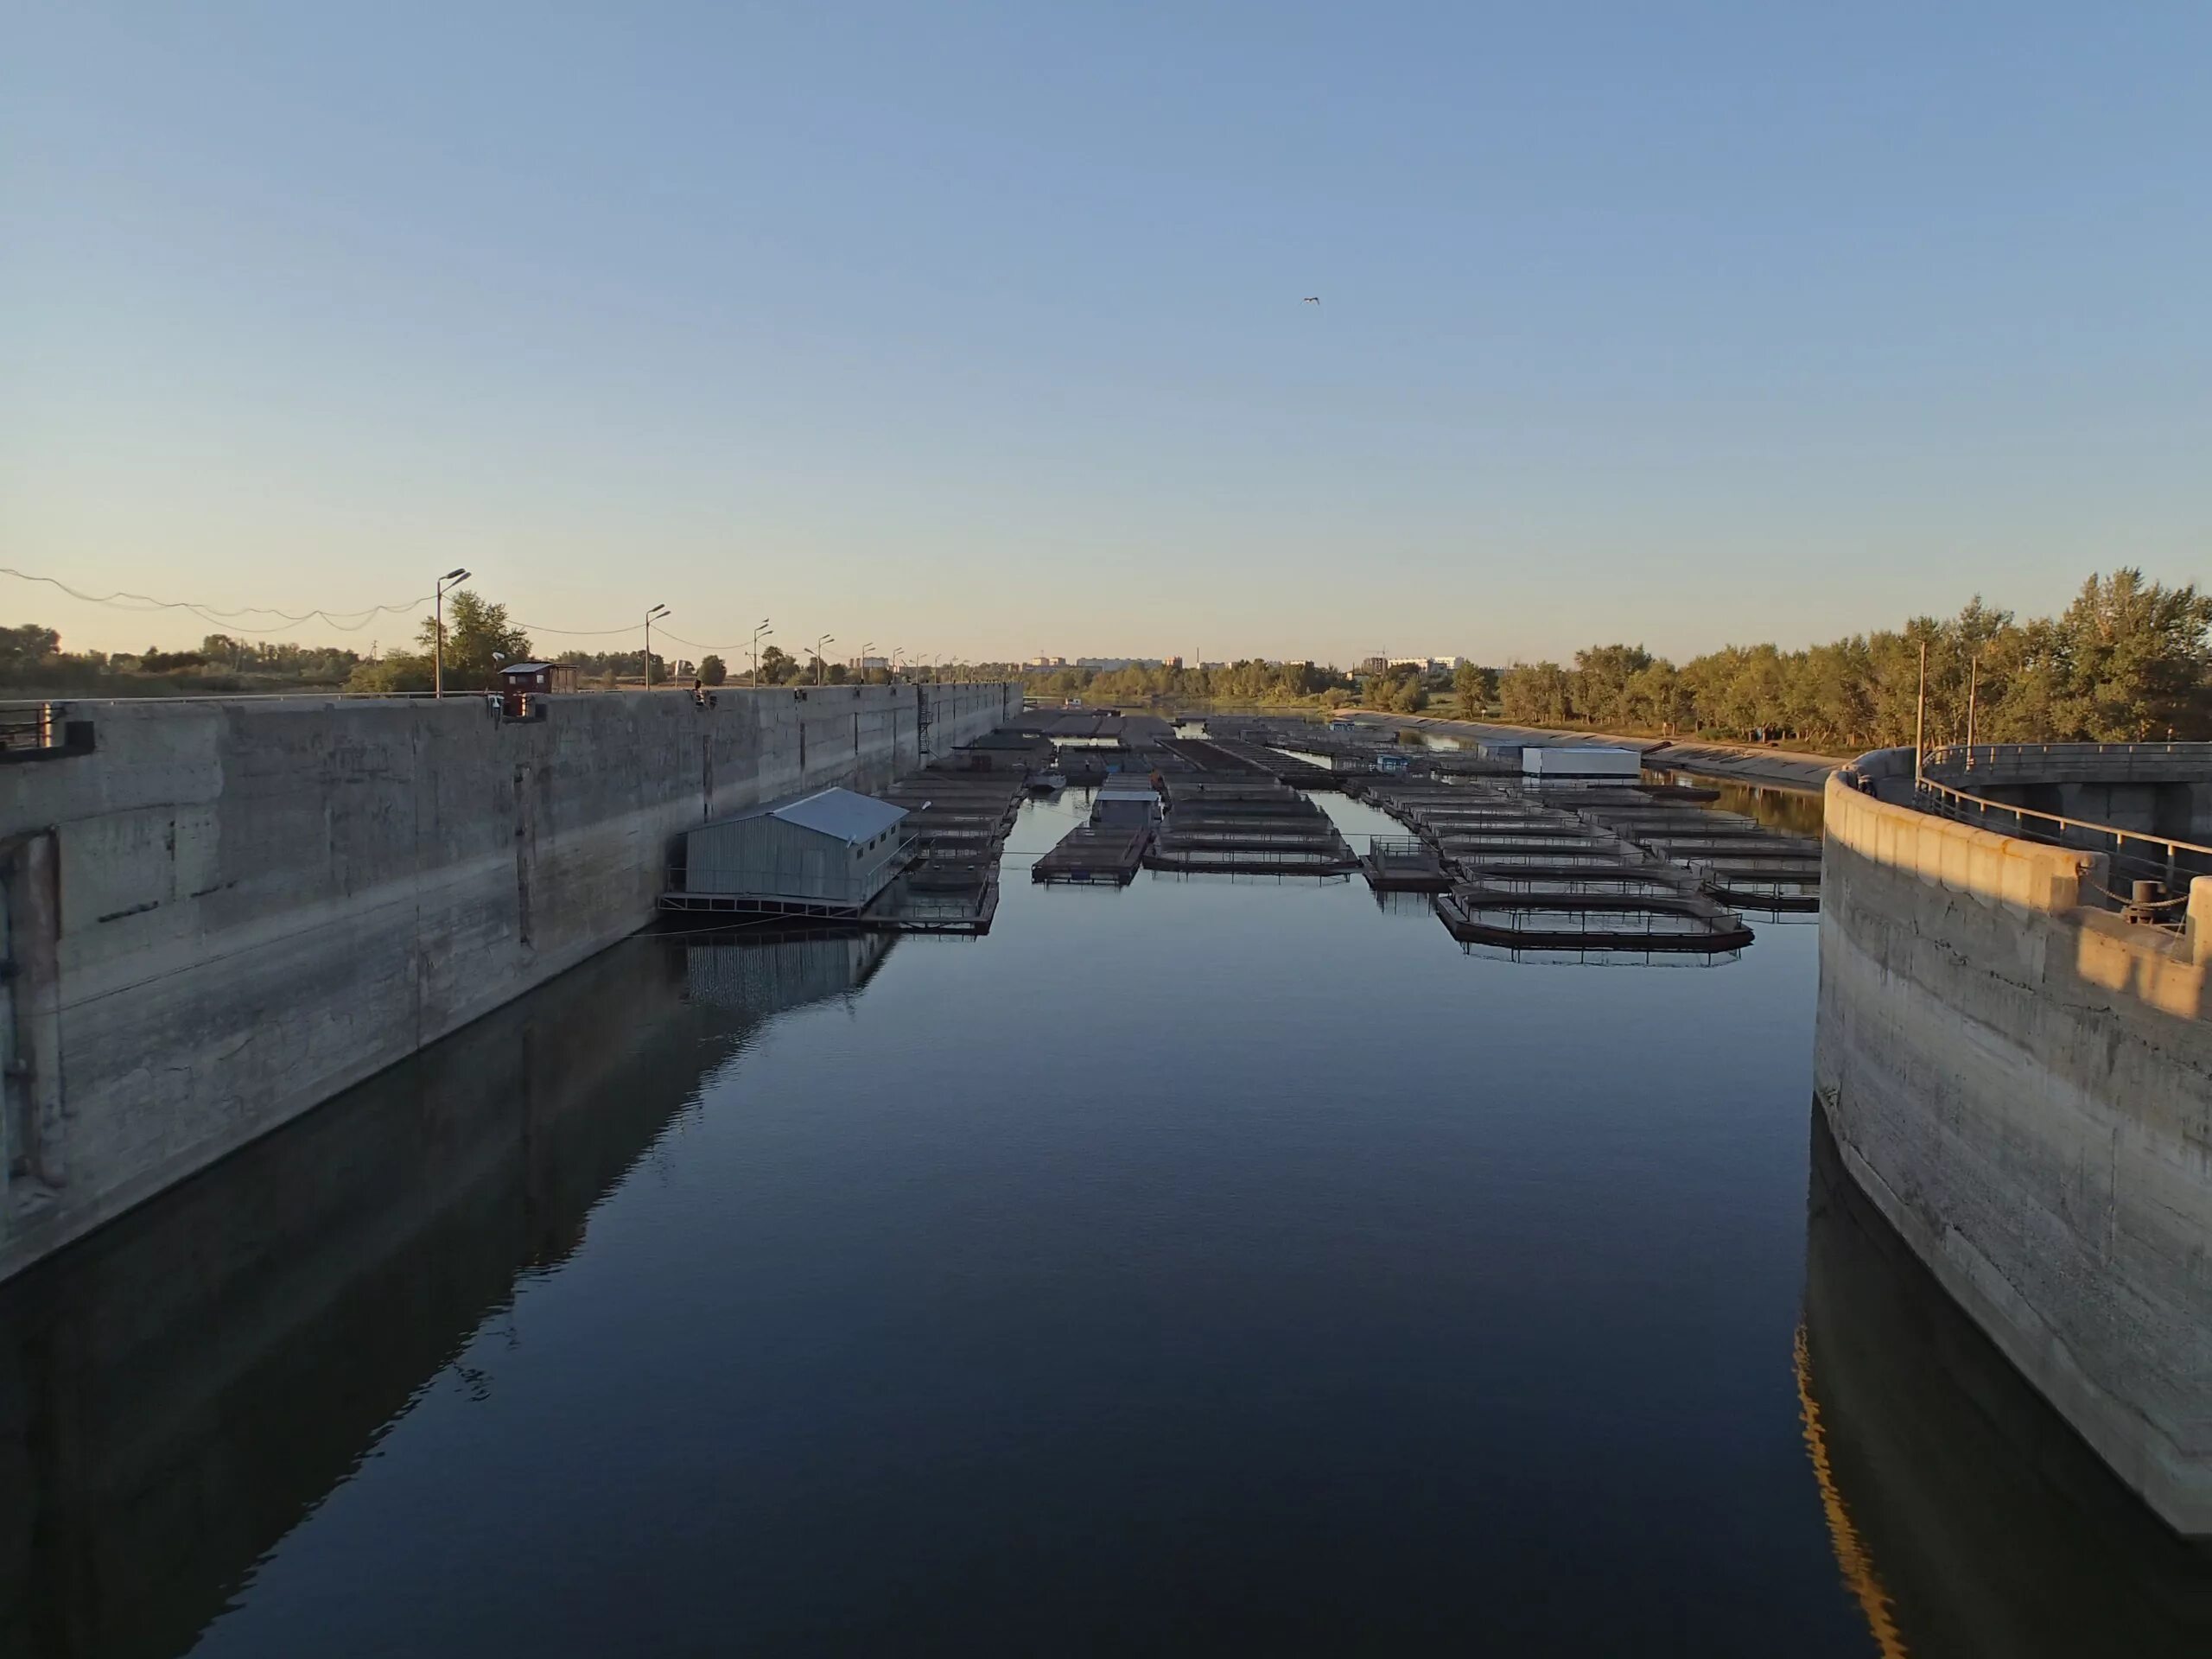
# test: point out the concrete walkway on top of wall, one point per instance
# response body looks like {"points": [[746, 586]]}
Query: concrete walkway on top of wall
{"points": [[1741, 763]]}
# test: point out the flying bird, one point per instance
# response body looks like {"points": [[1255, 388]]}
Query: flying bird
{"points": [[1313, 299]]}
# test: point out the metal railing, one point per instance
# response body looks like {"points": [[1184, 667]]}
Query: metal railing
{"points": [[2134, 855], [1965, 754]]}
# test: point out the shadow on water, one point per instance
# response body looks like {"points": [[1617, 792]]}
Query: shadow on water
{"points": [[180, 1391], [1966, 1518]]}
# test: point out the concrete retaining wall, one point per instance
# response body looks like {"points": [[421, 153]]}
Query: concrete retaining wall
{"points": [[2023, 1084], [230, 911]]}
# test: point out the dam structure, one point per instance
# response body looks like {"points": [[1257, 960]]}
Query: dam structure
{"points": [[2014, 1051], [220, 913]]}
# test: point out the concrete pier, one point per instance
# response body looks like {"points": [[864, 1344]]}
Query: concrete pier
{"points": [[228, 910]]}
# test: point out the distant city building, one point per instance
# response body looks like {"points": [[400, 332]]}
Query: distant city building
{"points": [[867, 663], [1175, 663], [1373, 664], [1427, 665], [1048, 662]]}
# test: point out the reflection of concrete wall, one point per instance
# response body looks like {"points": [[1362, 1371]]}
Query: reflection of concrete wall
{"points": [[1964, 1509], [177, 1392], [2024, 1086], [264, 902]]}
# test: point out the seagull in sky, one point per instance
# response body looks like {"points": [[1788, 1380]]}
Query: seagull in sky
{"points": [[1313, 299]]}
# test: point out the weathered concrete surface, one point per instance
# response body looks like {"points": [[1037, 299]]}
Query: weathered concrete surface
{"points": [[231, 910], [2023, 1086]]}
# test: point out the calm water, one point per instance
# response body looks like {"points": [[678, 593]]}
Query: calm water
{"points": [[1213, 1266]]}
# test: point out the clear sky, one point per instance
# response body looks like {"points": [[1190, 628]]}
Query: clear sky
{"points": [[978, 329]]}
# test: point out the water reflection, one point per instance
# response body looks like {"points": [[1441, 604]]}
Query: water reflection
{"points": [[1966, 1518], [1793, 811], [180, 1391]]}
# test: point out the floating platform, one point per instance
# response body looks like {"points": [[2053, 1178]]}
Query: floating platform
{"points": [[1598, 920], [1094, 854], [1403, 864]]}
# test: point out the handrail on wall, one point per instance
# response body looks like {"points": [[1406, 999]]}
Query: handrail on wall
{"points": [[2171, 845]]}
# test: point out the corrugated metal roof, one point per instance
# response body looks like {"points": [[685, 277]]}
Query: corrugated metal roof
{"points": [[842, 813]]}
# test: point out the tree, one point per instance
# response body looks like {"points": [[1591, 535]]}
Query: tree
{"points": [[26, 645], [1602, 674], [478, 634], [2141, 659], [151, 661], [777, 665], [399, 672], [712, 670], [1466, 687], [1536, 694]]}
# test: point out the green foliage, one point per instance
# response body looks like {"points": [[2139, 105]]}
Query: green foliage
{"points": [[608, 668], [1535, 694], [477, 636], [25, 646], [712, 670], [1473, 690], [31, 659], [1398, 690], [2129, 660], [151, 661], [1250, 681]]}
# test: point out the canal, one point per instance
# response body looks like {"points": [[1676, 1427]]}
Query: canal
{"points": [[1214, 1265]]}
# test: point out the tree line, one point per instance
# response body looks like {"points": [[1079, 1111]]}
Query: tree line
{"points": [[1250, 680], [32, 659], [2128, 661]]}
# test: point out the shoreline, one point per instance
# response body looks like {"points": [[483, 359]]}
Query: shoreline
{"points": [[1775, 768]]}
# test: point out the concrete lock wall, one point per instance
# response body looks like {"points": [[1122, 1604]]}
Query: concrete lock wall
{"points": [[229, 910], [2023, 1084]]}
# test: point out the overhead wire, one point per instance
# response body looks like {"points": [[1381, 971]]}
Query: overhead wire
{"points": [[223, 618], [219, 616]]}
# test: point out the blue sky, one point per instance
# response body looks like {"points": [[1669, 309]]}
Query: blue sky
{"points": [[977, 329]]}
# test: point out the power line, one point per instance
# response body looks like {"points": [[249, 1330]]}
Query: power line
{"points": [[220, 617], [146, 604], [580, 633]]}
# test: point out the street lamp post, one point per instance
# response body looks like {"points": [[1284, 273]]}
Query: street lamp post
{"points": [[438, 683], [825, 639], [646, 672], [757, 633], [866, 647]]}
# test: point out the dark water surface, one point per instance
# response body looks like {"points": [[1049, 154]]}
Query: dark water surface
{"points": [[1218, 1265]]}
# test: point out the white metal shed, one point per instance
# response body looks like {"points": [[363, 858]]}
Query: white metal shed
{"points": [[833, 848], [1581, 760]]}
